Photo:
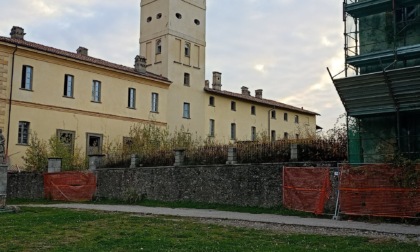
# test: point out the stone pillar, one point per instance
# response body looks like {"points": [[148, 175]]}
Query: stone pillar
{"points": [[232, 156], [54, 165], [294, 152], [95, 162], [134, 161], [3, 185], [179, 157]]}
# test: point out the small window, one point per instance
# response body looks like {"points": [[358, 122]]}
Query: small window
{"points": [[155, 102], [233, 106], [285, 117], [158, 46], [27, 77], [187, 49], [253, 110], [23, 133], [211, 101], [286, 136], [273, 114], [273, 135], [96, 91], [196, 21], [159, 16], [186, 79], [296, 119], [131, 98], [93, 144], [67, 138], [297, 136], [253, 134], [186, 113], [211, 128], [149, 19], [233, 131], [68, 85], [178, 15]]}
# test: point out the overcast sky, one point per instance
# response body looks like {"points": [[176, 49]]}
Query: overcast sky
{"points": [[280, 46]]}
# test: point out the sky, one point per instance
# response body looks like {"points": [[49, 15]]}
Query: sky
{"points": [[280, 46]]}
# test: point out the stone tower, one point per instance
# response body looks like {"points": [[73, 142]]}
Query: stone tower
{"points": [[173, 39]]}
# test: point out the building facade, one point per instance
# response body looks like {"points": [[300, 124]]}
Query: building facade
{"points": [[381, 89], [86, 101]]}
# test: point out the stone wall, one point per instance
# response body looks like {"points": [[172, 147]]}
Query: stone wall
{"points": [[25, 186], [242, 185]]}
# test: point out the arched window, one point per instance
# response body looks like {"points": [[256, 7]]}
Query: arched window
{"points": [[158, 46], [187, 49]]}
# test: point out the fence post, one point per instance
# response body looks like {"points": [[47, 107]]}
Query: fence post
{"points": [[179, 157], [294, 152], [134, 161], [3, 185], [232, 156], [54, 165], [95, 162]]}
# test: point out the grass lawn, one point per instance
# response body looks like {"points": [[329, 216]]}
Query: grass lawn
{"points": [[39, 229]]}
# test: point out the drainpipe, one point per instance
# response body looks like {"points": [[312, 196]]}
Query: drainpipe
{"points": [[10, 99]]}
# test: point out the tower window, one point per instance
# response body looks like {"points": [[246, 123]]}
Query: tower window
{"points": [[178, 15], [196, 21], [273, 135], [187, 49], [131, 98], [253, 110], [149, 19], [253, 134], [158, 46], [186, 79], [159, 16], [23, 133], [233, 106], [155, 102], [273, 114], [211, 128], [27, 73], [286, 117], [68, 85], [211, 101], [296, 119], [186, 112], [96, 91], [233, 131]]}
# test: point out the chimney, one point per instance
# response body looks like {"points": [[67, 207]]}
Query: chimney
{"points": [[245, 91], [82, 51], [207, 84], [258, 93], [217, 81], [17, 33], [140, 64]]}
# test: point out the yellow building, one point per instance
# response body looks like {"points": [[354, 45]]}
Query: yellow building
{"points": [[85, 100]]}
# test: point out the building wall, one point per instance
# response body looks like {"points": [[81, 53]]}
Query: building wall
{"points": [[47, 109], [223, 116]]}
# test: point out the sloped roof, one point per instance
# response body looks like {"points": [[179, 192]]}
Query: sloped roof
{"points": [[75, 56], [262, 101]]}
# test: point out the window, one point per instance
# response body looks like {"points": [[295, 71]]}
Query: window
{"points": [[96, 91], [211, 101], [296, 119], [67, 138], [273, 114], [406, 14], [186, 79], [286, 136], [27, 77], [233, 106], [93, 144], [186, 113], [187, 49], [149, 19], [297, 136], [196, 21], [68, 85], [233, 131], [178, 15], [155, 102], [131, 98], [253, 133], [252, 110], [23, 133], [158, 46], [211, 128], [273, 135], [159, 16], [285, 117]]}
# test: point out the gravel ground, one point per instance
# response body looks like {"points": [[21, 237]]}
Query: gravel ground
{"points": [[297, 229]]}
